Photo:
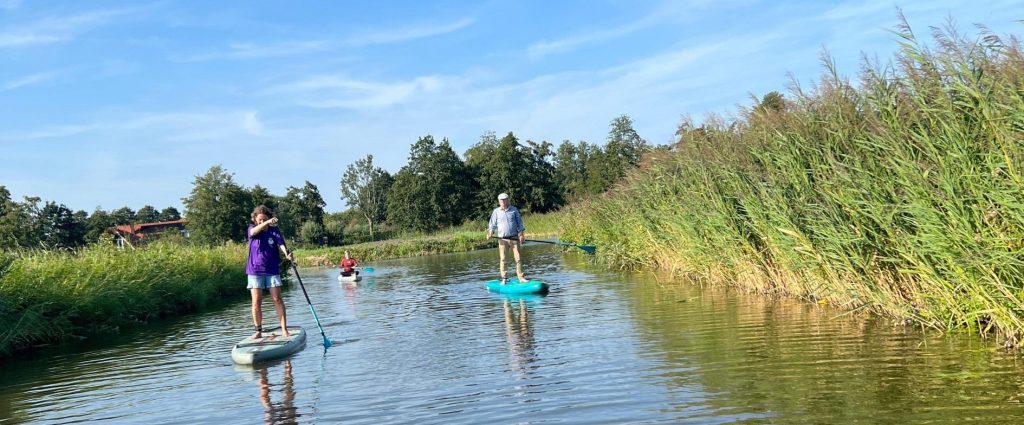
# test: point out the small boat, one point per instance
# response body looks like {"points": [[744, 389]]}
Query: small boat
{"points": [[272, 346], [514, 286], [353, 277]]}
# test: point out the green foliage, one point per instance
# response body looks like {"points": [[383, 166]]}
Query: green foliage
{"points": [[18, 227], [901, 196], [147, 214], [59, 227], [524, 172], [298, 206], [51, 296], [365, 188], [170, 214], [124, 215], [217, 208], [312, 232], [583, 170], [428, 190]]}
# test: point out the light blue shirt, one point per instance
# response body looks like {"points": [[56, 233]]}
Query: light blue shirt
{"points": [[506, 223]]}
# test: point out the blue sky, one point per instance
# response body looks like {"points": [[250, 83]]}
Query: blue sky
{"points": [[117, 104]]}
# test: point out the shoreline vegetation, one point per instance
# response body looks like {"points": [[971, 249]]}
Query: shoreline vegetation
{"points": [[902, 195], [48, 297]]}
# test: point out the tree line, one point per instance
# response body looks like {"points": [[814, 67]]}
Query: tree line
{"points": [[36, 224], [436, 188]]}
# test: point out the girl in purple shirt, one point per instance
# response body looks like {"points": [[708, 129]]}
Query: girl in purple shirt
{"points": [[263, 267]]}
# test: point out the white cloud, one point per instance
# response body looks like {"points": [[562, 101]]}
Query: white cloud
{"points": [[29, 80], [56, 29], [257, 50]]}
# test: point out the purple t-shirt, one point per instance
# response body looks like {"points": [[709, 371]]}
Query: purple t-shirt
{"points": [[264, 252]]}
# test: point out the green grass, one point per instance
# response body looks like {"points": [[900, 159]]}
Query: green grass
{"points": [[51, 296], [903, 195]]}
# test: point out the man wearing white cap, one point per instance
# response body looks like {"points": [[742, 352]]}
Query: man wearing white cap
{"points": [[507, 224]]}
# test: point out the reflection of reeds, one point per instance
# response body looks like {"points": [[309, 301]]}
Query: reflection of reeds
{"points": [[49, 295], [901, 196]]}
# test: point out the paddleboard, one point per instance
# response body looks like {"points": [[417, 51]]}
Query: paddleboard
{"points": [[350, 278], [272, 346], [514, 286]]}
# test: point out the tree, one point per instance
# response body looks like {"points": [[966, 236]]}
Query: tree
{"points": [[311, 232], [298, 206], [365, 188], [524, 172], [97, 223], [123, 215], [59, 228], [147, 214], [217, 209], [432, 190], [169, 214], [17, 221]]}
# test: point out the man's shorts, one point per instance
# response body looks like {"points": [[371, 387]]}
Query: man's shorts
{"points": [[264, 282]]}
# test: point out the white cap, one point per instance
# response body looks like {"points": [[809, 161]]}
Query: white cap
{"points": [[502, 196]]}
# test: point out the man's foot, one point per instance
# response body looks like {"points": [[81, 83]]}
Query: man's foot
{"points": [[284, 333], [504, 281], [522, 279], [257, 335]]}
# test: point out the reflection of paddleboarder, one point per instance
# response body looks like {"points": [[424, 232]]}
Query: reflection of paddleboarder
{"points": [[519, 333], [284, 411]]}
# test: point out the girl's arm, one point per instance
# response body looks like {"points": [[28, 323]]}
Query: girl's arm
{"points": [[262, 226]]}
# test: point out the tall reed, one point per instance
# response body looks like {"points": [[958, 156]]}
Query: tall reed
{"points": [[48, 296], [902, 195]]}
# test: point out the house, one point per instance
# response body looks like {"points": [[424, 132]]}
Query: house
{"points": [[145, 232]]}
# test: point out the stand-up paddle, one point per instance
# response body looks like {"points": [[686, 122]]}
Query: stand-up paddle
{"points": [[327, 342]]}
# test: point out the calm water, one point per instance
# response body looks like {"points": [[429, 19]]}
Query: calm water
{"points": [[422, 342]]}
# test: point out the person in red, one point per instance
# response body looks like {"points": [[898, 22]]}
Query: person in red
{"points": [[348, 265]]}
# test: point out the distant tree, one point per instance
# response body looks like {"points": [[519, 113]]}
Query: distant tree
{"points": [[261, 196], [97, 223], [311, 232], [17, 221], [169, 214], [524, 172], [147, 214], [365, 188], [59, 228], [432, 191], [217, 209], [571, 173], [124, 215], [298, 206], [772, 101]]}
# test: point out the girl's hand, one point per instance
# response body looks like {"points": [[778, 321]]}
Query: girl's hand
{"points": [[273, 221]]}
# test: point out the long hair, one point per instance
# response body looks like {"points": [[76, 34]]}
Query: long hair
{"points": [[261, 209]]}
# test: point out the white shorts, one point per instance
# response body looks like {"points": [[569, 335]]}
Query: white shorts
{"points": [[264, 282]]}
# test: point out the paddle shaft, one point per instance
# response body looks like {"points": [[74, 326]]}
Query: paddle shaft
{"points": [[588, 248], [327, 342]]}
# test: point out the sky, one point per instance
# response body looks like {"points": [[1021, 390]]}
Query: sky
{"points": [[112, 104]]}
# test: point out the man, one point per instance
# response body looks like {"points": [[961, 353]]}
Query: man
{"points": [[507, 224]]}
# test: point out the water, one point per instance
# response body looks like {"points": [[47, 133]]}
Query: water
{"points": [[420, 341]]}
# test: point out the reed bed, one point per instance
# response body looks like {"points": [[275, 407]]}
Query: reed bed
{"points": [[48, 296], [901, 195]]}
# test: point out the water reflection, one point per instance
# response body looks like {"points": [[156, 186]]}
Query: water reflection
{"points": [[283, 411], [519, 333]]}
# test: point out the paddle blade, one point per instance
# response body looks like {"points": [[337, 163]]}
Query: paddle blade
{"points": [[368, 269], [327, 342], [589, 249]]}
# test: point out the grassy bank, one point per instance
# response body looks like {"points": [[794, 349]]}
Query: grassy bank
{"points": [[51, 296], [467, 237], [900, 195]]}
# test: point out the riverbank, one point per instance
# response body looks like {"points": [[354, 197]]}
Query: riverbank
{"points": [[899, 196], [47, 297]]}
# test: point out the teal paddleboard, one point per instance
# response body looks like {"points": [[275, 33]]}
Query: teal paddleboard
{"points": [[514, 286]]}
